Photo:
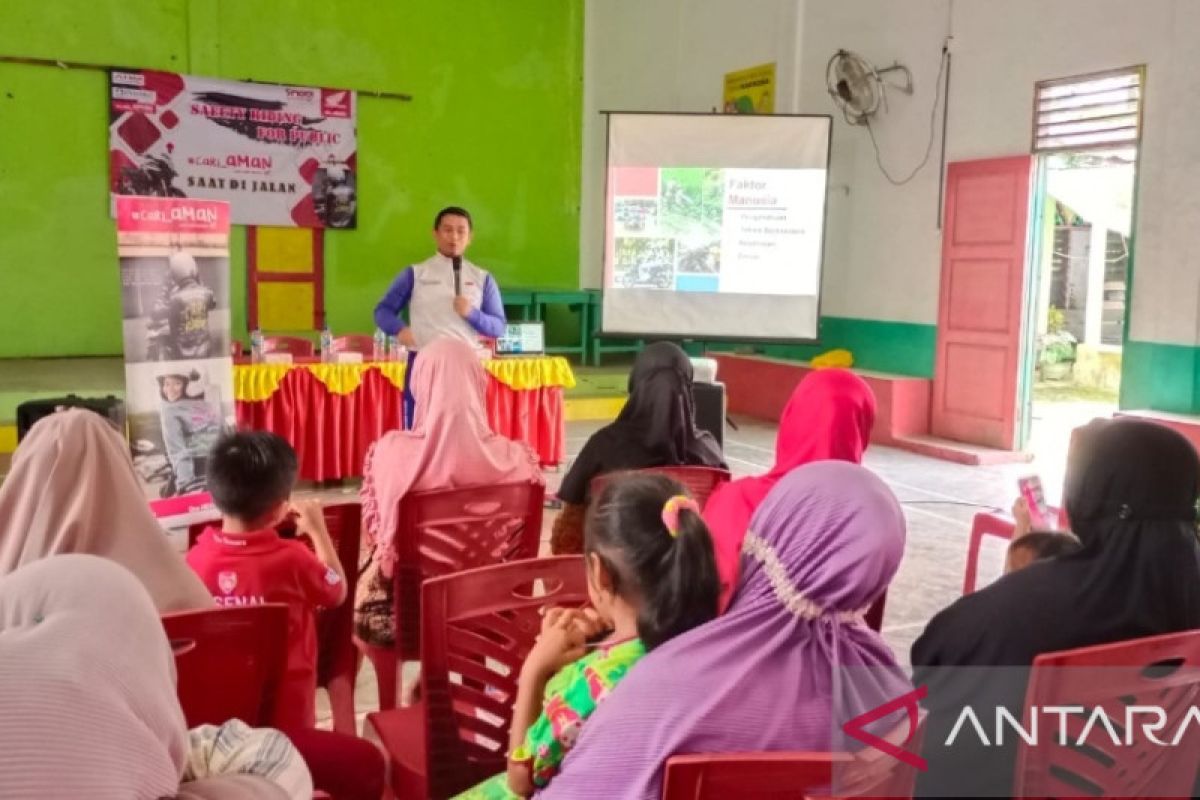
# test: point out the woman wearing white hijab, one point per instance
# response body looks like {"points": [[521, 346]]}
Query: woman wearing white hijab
{"points": [[88, 705], [72, 488]]}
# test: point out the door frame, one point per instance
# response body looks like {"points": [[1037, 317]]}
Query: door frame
{"points": [[1033, 282]]}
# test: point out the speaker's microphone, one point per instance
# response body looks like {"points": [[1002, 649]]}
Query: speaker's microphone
{"points": [[457, 276]]}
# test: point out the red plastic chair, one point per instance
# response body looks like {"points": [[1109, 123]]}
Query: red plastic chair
{"points": [[700, 482], [298, 347], [337, 658], [993, 523], [779, 776], [355, 343], [446, 531], [767, 775], [1159, 671], [477, 628], [229, 662]]}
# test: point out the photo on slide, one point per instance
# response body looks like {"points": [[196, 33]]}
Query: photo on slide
{"points": [[635, 214], [692, 202], [644, 262], [700, 257]]}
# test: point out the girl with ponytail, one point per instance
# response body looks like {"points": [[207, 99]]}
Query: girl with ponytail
{"points": [[652, 575]]}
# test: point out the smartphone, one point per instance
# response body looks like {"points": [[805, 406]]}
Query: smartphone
{"points": [[1035, 498]]}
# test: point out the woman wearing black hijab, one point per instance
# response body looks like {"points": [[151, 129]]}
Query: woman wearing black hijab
{"points": [[1131, 491], [656, 428]]}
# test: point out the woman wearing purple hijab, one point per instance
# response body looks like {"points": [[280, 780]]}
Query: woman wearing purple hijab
{"points": [[822, 546]]}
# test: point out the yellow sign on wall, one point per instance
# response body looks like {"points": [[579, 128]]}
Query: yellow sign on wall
{"points": [[750, 91]]}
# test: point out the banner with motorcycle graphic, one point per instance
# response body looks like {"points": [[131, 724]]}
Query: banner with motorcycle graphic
{"points": [[178, 370], [279, 155]]}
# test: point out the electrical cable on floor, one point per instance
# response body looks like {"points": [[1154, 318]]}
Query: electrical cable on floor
{"points": [[986, 506]]}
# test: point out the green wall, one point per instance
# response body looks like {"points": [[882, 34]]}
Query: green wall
{"points": [[901, 348], [1163, 377], [494, 125]]}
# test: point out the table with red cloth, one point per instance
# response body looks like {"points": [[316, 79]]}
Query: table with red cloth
{"points": [[331, 413]]}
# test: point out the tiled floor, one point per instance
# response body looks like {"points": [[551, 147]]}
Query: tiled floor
{"points": [[939, 501]]}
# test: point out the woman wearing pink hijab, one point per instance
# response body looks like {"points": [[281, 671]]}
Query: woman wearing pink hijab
{"points": [[450, 446], [72, 488], [828, 418]]}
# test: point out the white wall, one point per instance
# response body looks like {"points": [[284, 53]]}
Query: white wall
{"points": [[670, 55], [883, 251], [883, 246], [881, 241]]}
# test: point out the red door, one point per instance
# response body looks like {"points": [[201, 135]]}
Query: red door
{"points": [[982, 295]]}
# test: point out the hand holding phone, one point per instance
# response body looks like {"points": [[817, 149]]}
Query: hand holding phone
{"points": [[1035, 502]]}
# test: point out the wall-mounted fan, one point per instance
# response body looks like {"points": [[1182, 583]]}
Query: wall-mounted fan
{"points": [[858, 88]]}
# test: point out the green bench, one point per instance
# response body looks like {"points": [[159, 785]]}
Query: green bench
{"points": [[599, 346]]}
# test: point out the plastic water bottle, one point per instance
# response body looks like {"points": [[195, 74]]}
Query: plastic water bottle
{"points": [[395, 350], [379, 352], [326, 345], [256, 346]]}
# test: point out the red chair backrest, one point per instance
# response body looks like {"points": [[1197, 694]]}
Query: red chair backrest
{"points": [[451, 530], [480, 625], [355, 343], [785, 776], [289, 344], [229, 662], [700, 482], [1113, 677], [335, 647]]}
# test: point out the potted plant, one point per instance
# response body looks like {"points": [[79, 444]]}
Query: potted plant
{"points": [[1056, 348]]}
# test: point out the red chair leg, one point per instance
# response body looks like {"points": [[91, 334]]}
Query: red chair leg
{"points": [[984, 524], [977, 527], [874, 615], [341, 700], [387, 671]]}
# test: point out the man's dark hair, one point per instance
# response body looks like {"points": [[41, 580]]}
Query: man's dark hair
{"points": [[250, 472], [453, 211], [1047, 544]]}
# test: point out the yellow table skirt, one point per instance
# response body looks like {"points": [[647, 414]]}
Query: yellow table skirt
{"points": [[256, 382]]}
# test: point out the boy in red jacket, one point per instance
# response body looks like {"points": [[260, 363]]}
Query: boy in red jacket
{"points": [[245, 562]]}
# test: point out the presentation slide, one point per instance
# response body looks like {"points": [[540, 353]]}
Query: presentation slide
{"points": [[715, 225]]}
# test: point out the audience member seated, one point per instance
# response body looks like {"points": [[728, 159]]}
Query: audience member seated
{"points": [[1130, 493], [656, 428], [450, 446], [824, 545], [88, 705], [251, 475], [72, 488], [651, 577], [828, 418]]}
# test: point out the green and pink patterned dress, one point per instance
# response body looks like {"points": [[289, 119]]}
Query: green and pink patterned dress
{"points": [[571, 697]]}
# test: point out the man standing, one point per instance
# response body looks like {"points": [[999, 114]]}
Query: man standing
{"points": [[441, 300], [427, 290]]}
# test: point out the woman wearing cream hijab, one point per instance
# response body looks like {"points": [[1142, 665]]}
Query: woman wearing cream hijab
{"points": [[88, 705], [72, 488]]}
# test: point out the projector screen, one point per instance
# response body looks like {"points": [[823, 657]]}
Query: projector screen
{"points": [[714, 225]]}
